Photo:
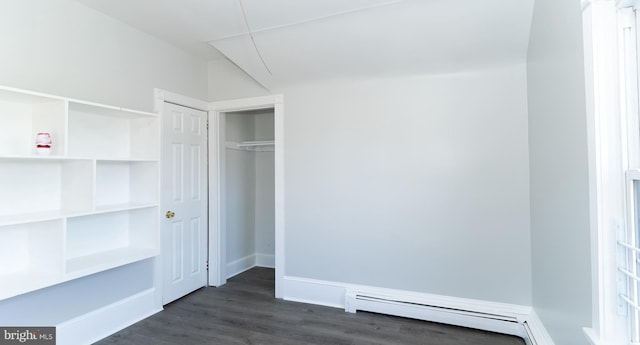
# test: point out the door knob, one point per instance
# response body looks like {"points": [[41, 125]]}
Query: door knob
{"points": [[170, 214]]}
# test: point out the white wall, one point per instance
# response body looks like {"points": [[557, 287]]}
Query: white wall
{"points": [[418, 184], [559, 171], [62, 47], [265, 188], [227, 81]]}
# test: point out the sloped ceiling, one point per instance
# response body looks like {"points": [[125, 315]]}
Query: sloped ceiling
{"points": [[309, 40]]}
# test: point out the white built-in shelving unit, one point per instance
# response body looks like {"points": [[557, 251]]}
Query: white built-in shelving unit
{"points": [[89, 206]]}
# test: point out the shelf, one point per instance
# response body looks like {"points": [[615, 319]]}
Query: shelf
{"points": [[19, 283], [9, 94], [123, 182], [257, 145], [30, 256], [41, 158], [22, 121], [101, 261], [123, 207], [45, 186], [123, 134], [105, 232], [34, 217], [129, 160], [24, 218], [36, 157], [84, 296], [107, 110]]}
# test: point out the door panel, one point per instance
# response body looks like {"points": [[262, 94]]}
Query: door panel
{"points": [[195, 236], [184, 150], [176, 262]]}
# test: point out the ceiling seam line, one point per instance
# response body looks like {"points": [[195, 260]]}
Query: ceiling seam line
{"points": [[246, 72], [253, 40], [337, 14]]}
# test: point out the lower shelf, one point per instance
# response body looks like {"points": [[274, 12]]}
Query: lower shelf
{"points": [[85, 265], [23, 282], [35, 255], [18, 283], [86, 309]]}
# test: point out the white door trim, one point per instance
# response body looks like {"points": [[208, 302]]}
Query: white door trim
{"points": [[216, 229], [160, 97]]}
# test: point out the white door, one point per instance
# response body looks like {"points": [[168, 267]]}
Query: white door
{"points": [[184, 200]]}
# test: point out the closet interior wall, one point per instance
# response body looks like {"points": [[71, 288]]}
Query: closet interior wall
{"points": [[249, 190]]}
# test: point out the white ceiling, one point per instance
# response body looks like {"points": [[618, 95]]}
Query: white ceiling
{"points": [[309, 40]]}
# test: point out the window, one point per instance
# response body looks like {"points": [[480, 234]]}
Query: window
{"points": [[611, 65], [628, 258]]}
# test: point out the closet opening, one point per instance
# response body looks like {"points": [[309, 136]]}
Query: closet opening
{"points": [[247, 191]]}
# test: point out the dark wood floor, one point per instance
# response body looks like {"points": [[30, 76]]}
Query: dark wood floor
{"points": [[244, 311]]}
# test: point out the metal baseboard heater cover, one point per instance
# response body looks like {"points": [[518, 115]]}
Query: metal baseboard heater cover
{"points": [[403, 306]]}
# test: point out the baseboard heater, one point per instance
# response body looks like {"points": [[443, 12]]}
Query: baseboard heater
{"points": [[424, 310], [529, 338]]}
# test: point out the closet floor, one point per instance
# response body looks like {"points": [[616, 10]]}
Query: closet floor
{"points": [[244, 311]]}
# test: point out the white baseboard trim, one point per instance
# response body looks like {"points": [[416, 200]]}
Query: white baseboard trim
{"points": [[250, 261], [486, 315], [266, 260], [313, 291], [243, 264], [592, 336], [100, 323], [536, 331]]}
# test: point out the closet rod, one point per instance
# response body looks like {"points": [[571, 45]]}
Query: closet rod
{"points": [[256, 143]]}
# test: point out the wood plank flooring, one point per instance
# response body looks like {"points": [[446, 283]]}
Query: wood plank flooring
{"points": [[244, 311]]}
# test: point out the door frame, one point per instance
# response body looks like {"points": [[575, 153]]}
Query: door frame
{"points": [[217, 230], [160, 98]]}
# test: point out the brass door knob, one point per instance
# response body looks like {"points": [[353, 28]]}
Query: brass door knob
{"points": [[170, 214]]}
